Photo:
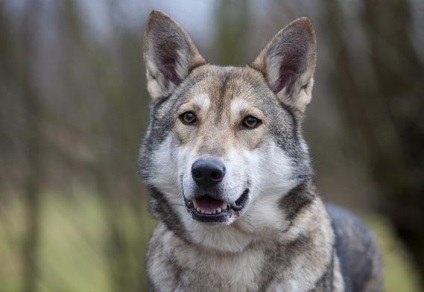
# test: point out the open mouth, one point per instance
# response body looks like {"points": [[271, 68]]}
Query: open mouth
{"points": [[208, 209]]}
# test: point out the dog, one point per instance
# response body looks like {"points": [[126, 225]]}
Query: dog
{"points": [[230, 176]]}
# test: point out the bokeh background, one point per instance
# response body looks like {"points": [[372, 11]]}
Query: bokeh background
{"points": [[73, 109]]}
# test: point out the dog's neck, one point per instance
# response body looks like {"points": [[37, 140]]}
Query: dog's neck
{"points": [[299, 197]]}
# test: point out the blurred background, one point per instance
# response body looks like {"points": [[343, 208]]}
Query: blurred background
{"points": [[73, 109]]}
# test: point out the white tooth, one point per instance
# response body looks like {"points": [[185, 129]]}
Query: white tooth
{"points": [[218, 210], [224, 206]]}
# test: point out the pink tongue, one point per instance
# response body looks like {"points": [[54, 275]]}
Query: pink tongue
{"points": [[208, 203]]}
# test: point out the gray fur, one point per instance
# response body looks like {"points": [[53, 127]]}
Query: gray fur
{"points": [[284, 238]]}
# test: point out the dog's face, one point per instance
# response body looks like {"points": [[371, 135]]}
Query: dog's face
{"points": [[224, 144]]}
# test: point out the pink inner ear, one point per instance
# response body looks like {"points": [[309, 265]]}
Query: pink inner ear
{"points": [[166, 59], [285, 77]]}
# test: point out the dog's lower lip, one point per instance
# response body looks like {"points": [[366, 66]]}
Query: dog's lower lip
{"points": [[238, 205], [189, 203]]}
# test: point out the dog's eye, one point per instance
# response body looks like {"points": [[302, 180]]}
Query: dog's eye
{"points": [[250, 122], [188, 118]]}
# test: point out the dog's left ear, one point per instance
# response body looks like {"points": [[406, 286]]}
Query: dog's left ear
{"points": [[169, 54], [288, 63]]}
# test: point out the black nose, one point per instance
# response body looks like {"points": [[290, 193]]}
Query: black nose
{"points": [[207, 171]]}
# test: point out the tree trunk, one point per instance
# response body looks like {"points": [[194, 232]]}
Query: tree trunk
{"points": [[32, 141], [400, 84]]}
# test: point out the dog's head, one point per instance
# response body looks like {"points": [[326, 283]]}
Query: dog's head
{"points": [[224, 144]]}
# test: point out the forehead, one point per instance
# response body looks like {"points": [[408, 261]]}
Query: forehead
{"points": [[222, 85]]}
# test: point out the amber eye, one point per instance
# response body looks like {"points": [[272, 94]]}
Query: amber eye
{"points": [[250, 122], [188, 118]]}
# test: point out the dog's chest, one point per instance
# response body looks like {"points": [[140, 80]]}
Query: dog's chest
{"points": [[224, 272]]}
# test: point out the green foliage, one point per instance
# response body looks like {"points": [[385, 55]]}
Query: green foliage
{"points": [[74, 250]]}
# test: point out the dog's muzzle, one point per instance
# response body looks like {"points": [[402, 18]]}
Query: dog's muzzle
{"points": [[207, 206]]}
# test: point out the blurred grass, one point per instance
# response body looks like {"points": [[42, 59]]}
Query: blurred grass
{"points": [[74, 250], [399, 274], [74, 245]]}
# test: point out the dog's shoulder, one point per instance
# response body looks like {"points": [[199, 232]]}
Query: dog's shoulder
{"points": [[357, 251]]}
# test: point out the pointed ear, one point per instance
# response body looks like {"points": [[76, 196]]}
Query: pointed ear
{"points": [[288, 63], [169, 54]]}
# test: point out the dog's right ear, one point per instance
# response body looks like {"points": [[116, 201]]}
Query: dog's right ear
{"points": [[169, 54]]}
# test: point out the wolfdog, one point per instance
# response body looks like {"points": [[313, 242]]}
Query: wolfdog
{"points": [[230, 176]]}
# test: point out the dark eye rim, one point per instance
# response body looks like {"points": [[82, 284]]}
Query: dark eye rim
{"points": [[245, 126], [182, 116]]}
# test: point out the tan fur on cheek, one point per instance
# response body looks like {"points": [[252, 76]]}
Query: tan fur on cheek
{"points": [[251, 139], [185, 134]]}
